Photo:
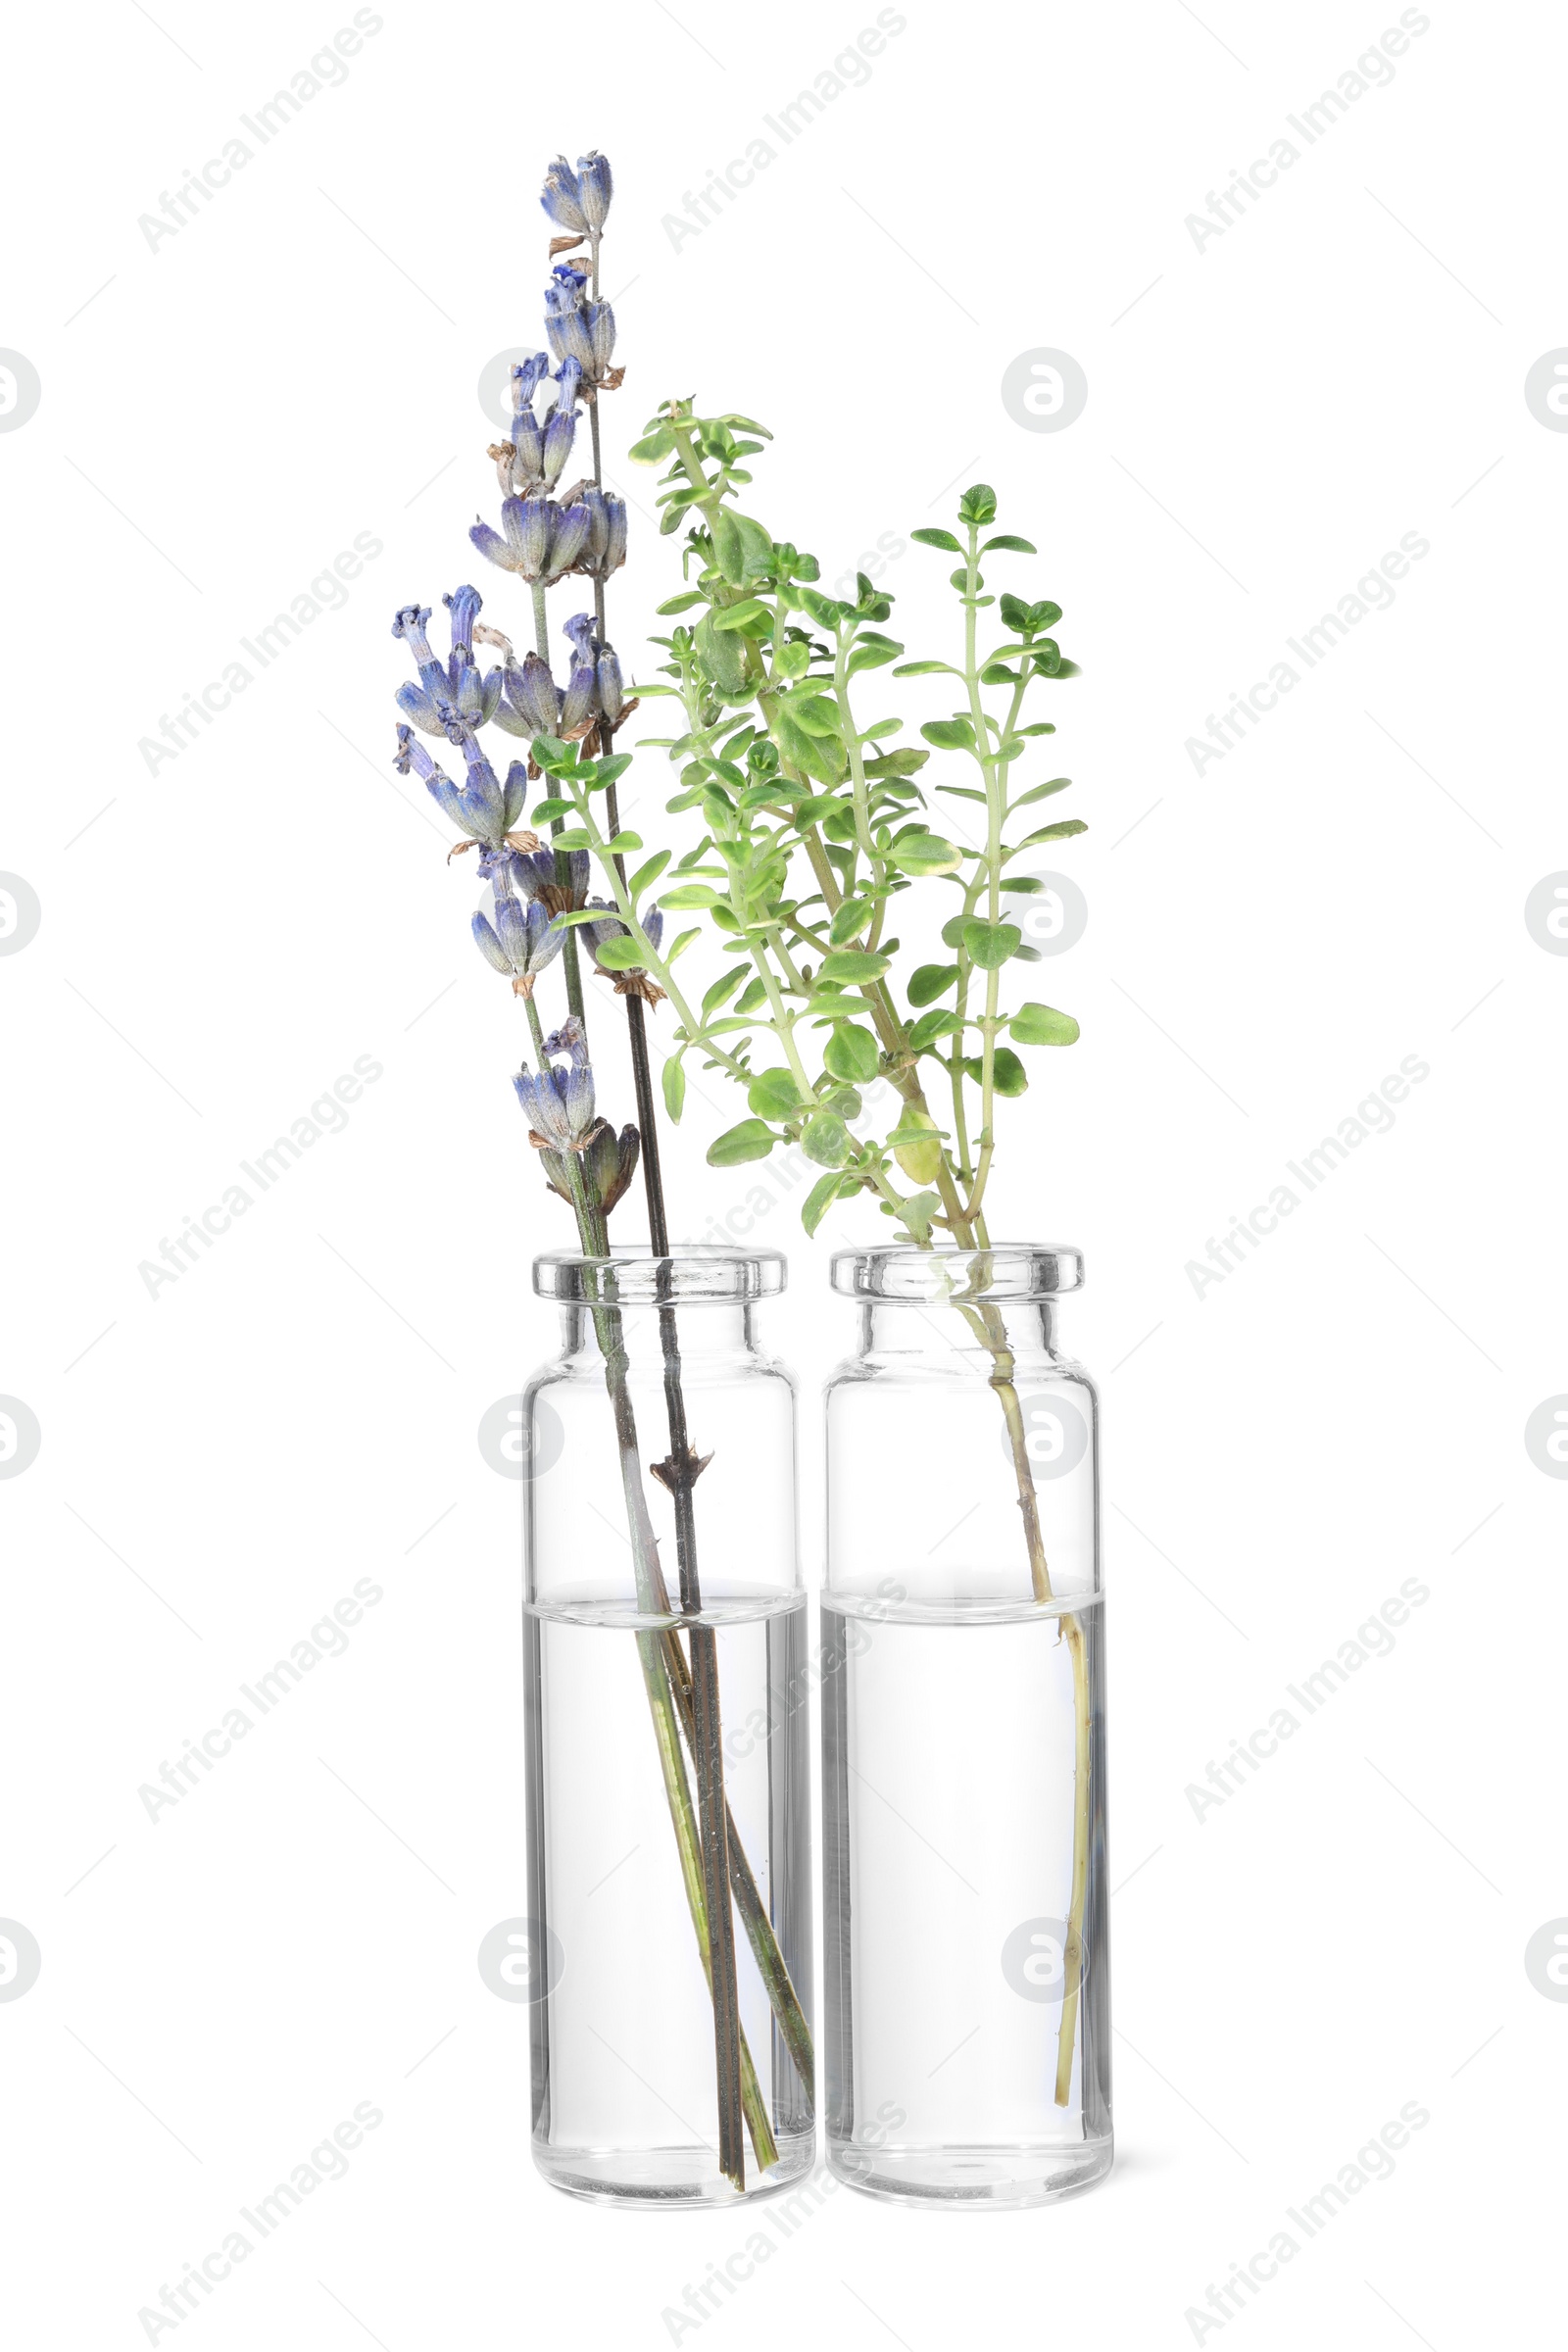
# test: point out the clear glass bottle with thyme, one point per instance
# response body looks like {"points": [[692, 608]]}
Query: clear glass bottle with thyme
{"points": [[967, 1971], [873, 1013], [966, 1689]]}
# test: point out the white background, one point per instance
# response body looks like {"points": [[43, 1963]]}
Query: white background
{"points": [[1268, 413]]}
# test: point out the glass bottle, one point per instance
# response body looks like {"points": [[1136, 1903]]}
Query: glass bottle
{"points": [[965, 1964], [666, 1738]]}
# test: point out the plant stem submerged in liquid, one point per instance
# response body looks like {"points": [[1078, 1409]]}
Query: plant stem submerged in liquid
{"points": [[950, 1770], [625, 2089]]}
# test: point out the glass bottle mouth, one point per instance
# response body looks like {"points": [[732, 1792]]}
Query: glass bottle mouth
{"points": [[635, 1277], [1007, 1271]]}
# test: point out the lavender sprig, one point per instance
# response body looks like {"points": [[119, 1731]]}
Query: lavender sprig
{"points": [[538, 904]]}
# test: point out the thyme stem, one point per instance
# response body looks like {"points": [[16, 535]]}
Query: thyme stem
{"points": [[680, 1470]]}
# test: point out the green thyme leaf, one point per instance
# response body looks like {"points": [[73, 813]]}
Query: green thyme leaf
{"points": [[1043, 1026], [905, 762], [850, 1054], [949, 734], [751, 1140], [926, 853], [928, 981], [825, 1139], [821, 1197], [932, 1025], [850, 921], [854, 963], [1063, 831], [774, 1095], [990, 943], [741, 616], [622, 955]]}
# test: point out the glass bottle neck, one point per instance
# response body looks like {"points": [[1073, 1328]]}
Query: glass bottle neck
{"points": [[702, 1333], [1023, 1328]]}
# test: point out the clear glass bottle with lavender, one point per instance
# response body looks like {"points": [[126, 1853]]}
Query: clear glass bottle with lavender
{"points": [[622, 1660]]}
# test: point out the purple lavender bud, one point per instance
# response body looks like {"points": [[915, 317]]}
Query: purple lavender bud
{"points": [[570, 340], [545, 940], [575, 1086], [530, 443], [512, 722], [491, 544], [526, 380], [556, 445], [564, 323], [476, 807], [526, 522], [534, 870], [577, 343], [599, 319], [489, 946], [598, 531], [526, 937], [568, 376], [498, 867], [562, 198], [416, 705], [535, 875], [415, 754], [611, 692], [409, 625], [594, 188], [465, 606], [482, 794], [516, 796], [511, 929], [558, 1105], [606, 548], [577, 707], [534, 695], [461, 695], [446, 796], [569, 536], [570, 1038]]}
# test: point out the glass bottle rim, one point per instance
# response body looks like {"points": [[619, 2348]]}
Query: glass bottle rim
{"points": [[1007, 1272], [701, 1276]]}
